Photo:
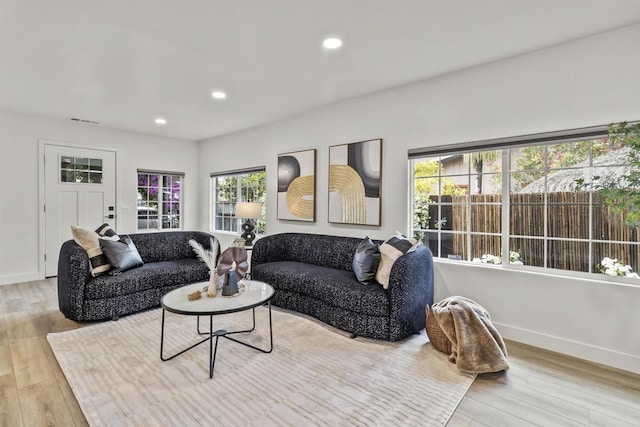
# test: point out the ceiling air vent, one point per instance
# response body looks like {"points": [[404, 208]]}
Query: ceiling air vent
{"points": [[91, 122]]}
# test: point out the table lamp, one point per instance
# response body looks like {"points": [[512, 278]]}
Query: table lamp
{"points": [[248, 211]]}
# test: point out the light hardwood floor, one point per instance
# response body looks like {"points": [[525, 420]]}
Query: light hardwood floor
{"points": [[541, 388]]}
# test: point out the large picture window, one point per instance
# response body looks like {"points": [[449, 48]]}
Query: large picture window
{"points": [[229, 188], [159, 200], [519, 202]]}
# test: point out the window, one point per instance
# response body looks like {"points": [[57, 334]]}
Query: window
{"points": [[457, 203], [159, 200], [80, 170], [237, 186], [517, 201]]}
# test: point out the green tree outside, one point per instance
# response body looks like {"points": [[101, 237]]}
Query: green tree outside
{"points": [[535, 162], [252, 189], [478, 161], [426, 183]]}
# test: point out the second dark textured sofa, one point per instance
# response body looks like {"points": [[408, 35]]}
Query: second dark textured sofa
{"points": [[169, 262], [312, 274]]}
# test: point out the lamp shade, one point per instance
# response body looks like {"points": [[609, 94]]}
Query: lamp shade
{"points": [[250, 210]]}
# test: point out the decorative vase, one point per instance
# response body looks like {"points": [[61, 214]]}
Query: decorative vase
{"points": [[232, 267], [212, 288], [230, 287]]}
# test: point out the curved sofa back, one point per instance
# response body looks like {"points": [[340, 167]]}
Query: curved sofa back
{"points": [[153, 247], [169, 245], [318, 249]]}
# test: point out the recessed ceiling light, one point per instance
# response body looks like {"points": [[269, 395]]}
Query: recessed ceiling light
{"points": [[218, 94], [160, 121], [332, 43]]}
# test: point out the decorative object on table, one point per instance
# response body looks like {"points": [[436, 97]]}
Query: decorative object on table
{"points": [[209, 257], [476, 345], [248, 211], [242, 285], [232, 266], [355, 172], [194, 295], [297, 186], [239, 242]]}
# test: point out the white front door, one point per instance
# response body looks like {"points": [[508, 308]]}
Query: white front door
{"points": [[80, 189]]}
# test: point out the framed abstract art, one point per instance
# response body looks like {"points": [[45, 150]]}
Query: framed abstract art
{"points": [[297, 186], [355, 175]]}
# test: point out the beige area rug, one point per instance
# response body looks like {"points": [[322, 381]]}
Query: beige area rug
{"points": [[315, 375]]}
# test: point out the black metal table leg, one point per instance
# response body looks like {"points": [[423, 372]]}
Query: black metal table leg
{"points": [[213, 347], [164, 359], [254, 325], [212, 357]]}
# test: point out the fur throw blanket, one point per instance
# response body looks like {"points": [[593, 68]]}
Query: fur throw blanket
{"points": [[476, 345]]}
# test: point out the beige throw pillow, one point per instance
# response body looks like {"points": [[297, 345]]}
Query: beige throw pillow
{"points": [[89, 240], [390, 251]]}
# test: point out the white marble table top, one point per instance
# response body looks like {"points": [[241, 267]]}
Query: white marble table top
{"points": [[255, 294]]}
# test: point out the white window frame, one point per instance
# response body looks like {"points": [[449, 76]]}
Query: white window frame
{"points": [[242, 195], [161, 209], [505, 144]]}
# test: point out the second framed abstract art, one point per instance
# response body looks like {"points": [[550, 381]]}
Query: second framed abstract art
{"points": [[297, 186], [355, 174]]}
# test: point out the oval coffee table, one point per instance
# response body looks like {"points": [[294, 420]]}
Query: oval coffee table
{"points": [[177, 301]]}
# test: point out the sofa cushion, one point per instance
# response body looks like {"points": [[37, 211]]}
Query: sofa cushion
{"points": [[366, 260], [149, 276], [179, 271], [122, 254], [328, 251], [90, 242], [105, 231], [336, 287], [390, 251], [168, 245]]}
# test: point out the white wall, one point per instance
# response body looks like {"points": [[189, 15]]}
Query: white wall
{"points": [[588, 82], [19, 171]]}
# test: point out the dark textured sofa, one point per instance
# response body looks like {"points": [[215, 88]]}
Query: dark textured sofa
{"points": [[312, 274], [169, 262]]}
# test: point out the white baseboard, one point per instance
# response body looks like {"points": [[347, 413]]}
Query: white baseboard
{"points": [[605, 356], [19, 278]]}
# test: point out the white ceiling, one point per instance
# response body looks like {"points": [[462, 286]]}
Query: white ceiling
{"points": [[123, 63]]}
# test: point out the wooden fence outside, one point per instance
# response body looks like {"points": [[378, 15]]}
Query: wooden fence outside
{"points": [[567, 218]]}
